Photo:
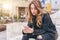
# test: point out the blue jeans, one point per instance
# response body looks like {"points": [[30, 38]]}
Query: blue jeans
{"points": [[26, 37]]}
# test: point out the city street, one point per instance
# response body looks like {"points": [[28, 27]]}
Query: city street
{"points": [[13, 14]]}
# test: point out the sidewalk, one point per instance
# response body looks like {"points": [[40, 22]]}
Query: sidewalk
{"points": [[3, 35]]}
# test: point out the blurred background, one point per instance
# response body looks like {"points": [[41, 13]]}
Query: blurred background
{"points": [[13, 17]]}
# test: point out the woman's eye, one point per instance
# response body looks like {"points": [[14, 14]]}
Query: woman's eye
{"points": [[35, 8]]}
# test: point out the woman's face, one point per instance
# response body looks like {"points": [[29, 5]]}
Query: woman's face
{"points": [[33, 10]]}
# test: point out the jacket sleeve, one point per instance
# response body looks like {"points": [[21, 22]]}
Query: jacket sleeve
{"points": [[49, 27], [48, 24], [29, 24], [48, 30]]}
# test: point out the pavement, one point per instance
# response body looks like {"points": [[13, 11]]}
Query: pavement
{"points": [[3, 35]]}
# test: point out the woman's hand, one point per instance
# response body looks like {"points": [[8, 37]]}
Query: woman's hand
{"points": [[39, 36], [28, 29]]}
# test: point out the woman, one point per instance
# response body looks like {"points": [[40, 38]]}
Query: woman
{"points": [[40, 26]]}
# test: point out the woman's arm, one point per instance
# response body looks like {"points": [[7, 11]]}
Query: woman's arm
{"points": [[48, 30], [49, 27], [48, 24]]}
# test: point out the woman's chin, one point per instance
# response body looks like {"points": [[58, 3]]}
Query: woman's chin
{"points": [[34, 14]]}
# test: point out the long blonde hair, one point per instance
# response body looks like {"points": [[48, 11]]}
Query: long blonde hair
{"points": [[38, 6]]}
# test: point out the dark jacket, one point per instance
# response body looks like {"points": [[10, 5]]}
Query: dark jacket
{"points": [[47, 28]]}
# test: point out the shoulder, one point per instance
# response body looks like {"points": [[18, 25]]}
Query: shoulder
{"points": [[46, 15]]}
